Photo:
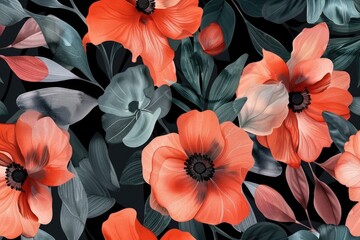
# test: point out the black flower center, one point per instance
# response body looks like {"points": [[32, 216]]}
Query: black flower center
{"points": [[199, 167], [133, 106], [15, 176], [299, 101], [145, 6]]}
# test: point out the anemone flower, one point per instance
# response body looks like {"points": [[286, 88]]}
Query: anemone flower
{"points": [[124, 225], [198, 173], [143, 27], [34, 155], [313, 87]]}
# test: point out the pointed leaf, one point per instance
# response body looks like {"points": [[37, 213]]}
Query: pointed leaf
{"points": [[331, 232], [279, 11], [230, 110], [49, 3], [189, 65], [252, 8], [153, 220], [355, 106], [264, 231], [196, 229], [132, 173], [99, 205], [3, 109], [161, 99], [187, 93], [340, 11], [11, 12], [314, 10], [273, 205], [100, 160], [41, 235], [330, 164], [298, 184]]}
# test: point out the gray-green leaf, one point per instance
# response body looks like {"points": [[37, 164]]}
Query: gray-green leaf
{"points": [[314, 10], [132, 173], [279, 11], [189, 65], [229, 111], [264, 231], [332, 232], [195, 228], [11, 12], [303, 235], [340, 11], [154, 220]]}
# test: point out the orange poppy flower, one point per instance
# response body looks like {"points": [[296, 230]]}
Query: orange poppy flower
{"points": [[34, 155], [124, 225], [198, 173], [313, 87], [143, 27]]}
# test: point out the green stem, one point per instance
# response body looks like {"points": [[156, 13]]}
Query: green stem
{"points": [[77, 11], [106, 60]]}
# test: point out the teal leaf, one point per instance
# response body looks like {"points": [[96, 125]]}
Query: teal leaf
{"points": [[350, 27], [279, 11], [3, 109], [340, 11], [262, 40], [251, 7], [41, 235], [196, 229], [332, 232], [225, 85], [99, 205], [221, 12], [355, 105], [74, 209], [11, 12], [100, 160], [161, 99], [189, 65], [264, 231], [303, 235], [187, 93], [340, 129], [49, 3], [314, 10], [229, 111], [117, 127], [142, 129], [154, 220], [132, 173]]}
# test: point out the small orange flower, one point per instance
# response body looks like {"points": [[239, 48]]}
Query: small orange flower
{"points": [[34, 154], [313, 87], [123, 225], [198, 173], [143, 27], [212, 40]]}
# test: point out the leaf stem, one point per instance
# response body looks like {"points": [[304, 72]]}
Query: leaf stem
{"points": [[308, 217], [297, 222], [77, 11], [163, 125], [238, 9], [221, 232]]}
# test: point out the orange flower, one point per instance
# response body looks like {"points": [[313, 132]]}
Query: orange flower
{"points": [[212, 40], [34, 154], [123, 225], [313, 87], [198, 173], [143, 27]]}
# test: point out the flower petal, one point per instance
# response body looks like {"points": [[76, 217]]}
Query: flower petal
{"points": [[178, 235], [347, 170], [340, 79], [52, 176], [353, 220], [9, 148], [40, 201], [162, 77], [354, 194], [10, 224], [353, 145], [163, 4]]}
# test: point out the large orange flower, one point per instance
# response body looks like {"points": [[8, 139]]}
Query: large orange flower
{"points": [[143, 27], [198, 173], [313, 87], [123, 225], [34, 154]]}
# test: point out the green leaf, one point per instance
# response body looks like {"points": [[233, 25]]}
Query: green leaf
{"points": [[196, 229], [355, 105], [100, 160], [225, 85], [251, 7], [340, 129], [11, 12], [221, 12], [229, 111], [340, 11], [189, 65], [279, 11], [41, 235], [3, 109], [132, 173], [49, 3], [117, 127], [262, 40], [161, 99], [332, 232], [350, 27], [303, 235], [99, 205], [264, 231], [154, 220], [187, 93], [314, 10]]}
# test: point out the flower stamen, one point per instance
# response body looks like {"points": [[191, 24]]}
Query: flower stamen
{"points": [[145, 6], [199, 167], [298, 101], [15, 176]]}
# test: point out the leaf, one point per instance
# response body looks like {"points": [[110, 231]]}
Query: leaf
{"points": [[3, 109], [314, 10], [340, 129], [355, 106], [117, 127], [340, 11], [74, 209], [64, 106], [265, 164], [249, 221], [187, 93], [230, 110], [100, 160], [153, 220], [264, 231], [41, 235], [11, 12], [225, 85], [132, 173], [99, 205], [64, 42], [49, 3], [189, 65], [221, 12], [251, 7], [279, 11], [161, 99], [196, 229], [303, 235], [142, 129], [326, 203], [331, 232], [330, 164], [262, 40], [273, 205], [298, 184]]}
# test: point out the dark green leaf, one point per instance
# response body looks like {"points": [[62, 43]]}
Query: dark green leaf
{"points": [[340, 129], [3, 109], [279, 11], [153, 220], [99, 205], [251, 7], [195, 228], [11, 12], [229, 111], [314, 10], [117, 127], [181, 105], [355, 105], [79, 151], [132, 173], [264, 231], [189, 65], [352, 26], [332, 232], [343, 51], [303, 235], [187, 93]]}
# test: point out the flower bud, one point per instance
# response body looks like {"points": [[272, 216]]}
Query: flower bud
{"points": [[211, 39]]}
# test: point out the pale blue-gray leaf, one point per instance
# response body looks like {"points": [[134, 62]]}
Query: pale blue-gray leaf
{"points": [[99, 205], [303, 235], [314, 10], [74, 209], [355, 105], [142, 129], [340, 11], [132, 173], [117, 127], [249, 221], [251, 7], [11, 12], [100, 160], [65, 106], [229, 111], [196, 229], [251, 186], [153, 220], [161, 99], [189, 65], [41, 235]]}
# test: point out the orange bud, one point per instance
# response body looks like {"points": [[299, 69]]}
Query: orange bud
{"points": [[211, 39]]}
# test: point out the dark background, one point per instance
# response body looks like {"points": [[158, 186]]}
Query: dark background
{"points": [[135, 196]]}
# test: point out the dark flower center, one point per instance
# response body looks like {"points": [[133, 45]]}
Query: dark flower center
{"points": [[199, 167], [298, 101], [133, 106], [15, 176], [145, 6]]}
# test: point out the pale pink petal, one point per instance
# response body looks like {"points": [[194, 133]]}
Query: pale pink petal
{"points": [[347, 170], [163, 4], [353, 220], [354, 194], [10, 224], [156, 206], [353, 145], [340, 79], [40, 201]]}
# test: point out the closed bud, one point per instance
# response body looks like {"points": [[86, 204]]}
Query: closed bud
{"points": [[211, 39]]}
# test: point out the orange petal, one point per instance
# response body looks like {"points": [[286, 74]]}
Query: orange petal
{"points": [[180, 20], [270, 69], [354, 194], [353, 145], [52, 176], [263, 141], [123, 225], [347, 170], [30, 227], [162, 77], [9, 148], [334, 100], [224, 201], [10, 224], [176, 234], [163, 4], [340, 79], [353, 220], [200, 132], [311, 43], [313, 137]]}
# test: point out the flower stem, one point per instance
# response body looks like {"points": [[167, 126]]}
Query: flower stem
{"points": [[77, 11]]}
